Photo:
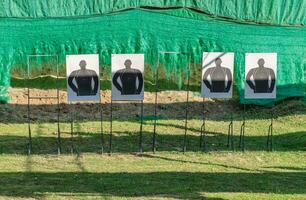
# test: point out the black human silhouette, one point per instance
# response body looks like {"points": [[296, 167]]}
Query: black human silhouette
{"points": [[128, 78], [83, 81], [262, 76], [221, 78]]}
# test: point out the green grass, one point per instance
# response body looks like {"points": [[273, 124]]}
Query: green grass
{"points": [[168, 174]]}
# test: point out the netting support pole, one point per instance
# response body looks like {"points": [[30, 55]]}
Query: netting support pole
{"points": [[141, 131], [242, 132], [270, 135]]}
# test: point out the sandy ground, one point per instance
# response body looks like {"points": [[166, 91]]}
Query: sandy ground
{"points": [[171, 105]]}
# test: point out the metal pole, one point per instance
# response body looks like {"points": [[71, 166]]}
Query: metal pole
{"points": [[101, 122], [101, 128], [270, 134], [111, 128], [243, 136], [242, 131], [29, 124], [187, 106], [29, 117], [268, 139], [202, 126], [140, 132], [203, 129], [58, 104], [155, 107], [230, 134], [58, 112], [71, 128]]}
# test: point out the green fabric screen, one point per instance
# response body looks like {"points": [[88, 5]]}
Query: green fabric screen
{"points": [[278, 12], [71, 31]]}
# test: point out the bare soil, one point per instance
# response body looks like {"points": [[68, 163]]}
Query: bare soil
{"points": [[171, 105]]}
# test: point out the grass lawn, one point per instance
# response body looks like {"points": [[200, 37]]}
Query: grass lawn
{"points": [[167, 174], [219, 173]]}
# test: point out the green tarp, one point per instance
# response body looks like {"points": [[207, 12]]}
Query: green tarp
{"points": [[278, 12], [54, 27]]}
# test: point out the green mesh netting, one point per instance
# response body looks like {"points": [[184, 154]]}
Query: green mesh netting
{"points": [[279, 12], [150, 31]]}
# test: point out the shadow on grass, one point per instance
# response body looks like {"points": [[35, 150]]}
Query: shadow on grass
{"points": [[127, 142], [180, 185]]}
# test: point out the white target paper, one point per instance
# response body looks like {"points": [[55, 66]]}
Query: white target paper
{"points": [[83, 82], [127, 77], [217, 75], [260, 75]]}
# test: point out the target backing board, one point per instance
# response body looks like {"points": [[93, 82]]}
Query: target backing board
{"points": [[260, 75], [83, 81], [127, 77], [217, 74]]}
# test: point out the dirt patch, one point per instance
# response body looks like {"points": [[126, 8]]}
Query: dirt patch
{"points": [[171, 105]]}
